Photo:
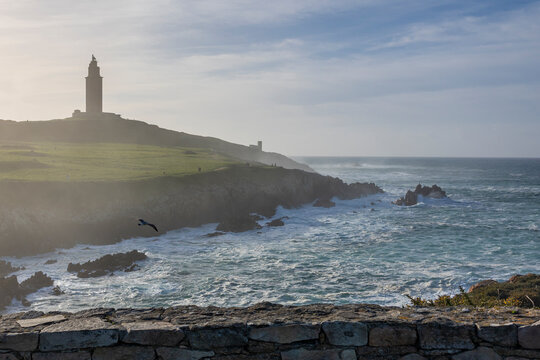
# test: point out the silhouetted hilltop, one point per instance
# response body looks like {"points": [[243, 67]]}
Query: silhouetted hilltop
{"points": [[117, 130]]}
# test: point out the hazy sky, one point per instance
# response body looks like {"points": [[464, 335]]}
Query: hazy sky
{"points": [[308, 77]]}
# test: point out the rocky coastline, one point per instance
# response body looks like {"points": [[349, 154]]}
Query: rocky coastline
{"points": [[37, 217]]}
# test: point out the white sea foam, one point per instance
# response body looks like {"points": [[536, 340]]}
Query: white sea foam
{"points": [[343, 254]]}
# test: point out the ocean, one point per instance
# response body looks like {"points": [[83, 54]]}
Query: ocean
{"points": [[360, 251]]}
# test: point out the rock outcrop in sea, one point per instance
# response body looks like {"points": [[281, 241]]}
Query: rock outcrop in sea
{"points": [[11, 289], [6, 268], [107, 264], [411, 197]]}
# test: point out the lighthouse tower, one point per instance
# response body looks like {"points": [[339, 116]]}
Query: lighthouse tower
{"points": [[94, 88]]}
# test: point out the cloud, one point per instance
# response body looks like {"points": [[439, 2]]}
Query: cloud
{"points": [[294, 74]]}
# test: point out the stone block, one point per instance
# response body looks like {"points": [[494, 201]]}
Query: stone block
{"points": [[285, 334], [182, 354], [348, 354], [261, 347], [441, 336], [342, 333], [78, 334], [505, 335], [412, 357], [44, 320], [247, 357], [124, 353], [78, 355], [392, 335], [529, 336], [207, 339], [8, 357], [517, 352], [384, 351], [480, 353], [305, 354], [19, 341], [152, 333]]}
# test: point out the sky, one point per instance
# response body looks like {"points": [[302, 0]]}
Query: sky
{"points": [[307, 77]]}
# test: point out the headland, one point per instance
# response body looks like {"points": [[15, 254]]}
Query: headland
{"points": [[73, 181]]}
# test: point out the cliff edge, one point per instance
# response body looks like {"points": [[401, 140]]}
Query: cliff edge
{"points": [[41, 216]]}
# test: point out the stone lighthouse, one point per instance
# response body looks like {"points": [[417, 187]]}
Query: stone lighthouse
{"points": [[94, 88]]}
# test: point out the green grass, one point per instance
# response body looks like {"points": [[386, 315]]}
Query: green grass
{"points": [[103, 161]]}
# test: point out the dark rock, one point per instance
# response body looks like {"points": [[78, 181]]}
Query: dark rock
{"points": [[239, 224], [356, 190], [448, 337], [11, 289], [51, 261], [326, 203], [78, 355], [124, 352], [133, 267], [19, 341], [307, 354], [529, 335], [107, 264], [168, 353], [504, 334], [433, 192], [411, 197], [77, 334], [343, 333], [56, 291], [35, 282], [285, 334], [395, 335], [277, 222], [207, 339], [6, 268], [480, 353], [481, 284], [214, 234]]}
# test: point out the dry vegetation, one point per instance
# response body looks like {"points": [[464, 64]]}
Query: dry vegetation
{"points": [[519, 290]]}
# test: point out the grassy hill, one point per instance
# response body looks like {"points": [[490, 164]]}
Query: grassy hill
{"points": [[46, 161], [110, 129]]}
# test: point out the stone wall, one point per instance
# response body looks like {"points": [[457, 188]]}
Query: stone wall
{"points": [[269, 331]]}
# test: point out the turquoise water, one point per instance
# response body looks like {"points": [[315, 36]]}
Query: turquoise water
{"points": [[362, 250]]}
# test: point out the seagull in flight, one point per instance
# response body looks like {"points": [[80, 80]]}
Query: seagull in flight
{"points": [[142, 223]]}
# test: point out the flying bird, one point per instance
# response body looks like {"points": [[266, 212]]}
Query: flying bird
{"points": [[142, 223]]}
